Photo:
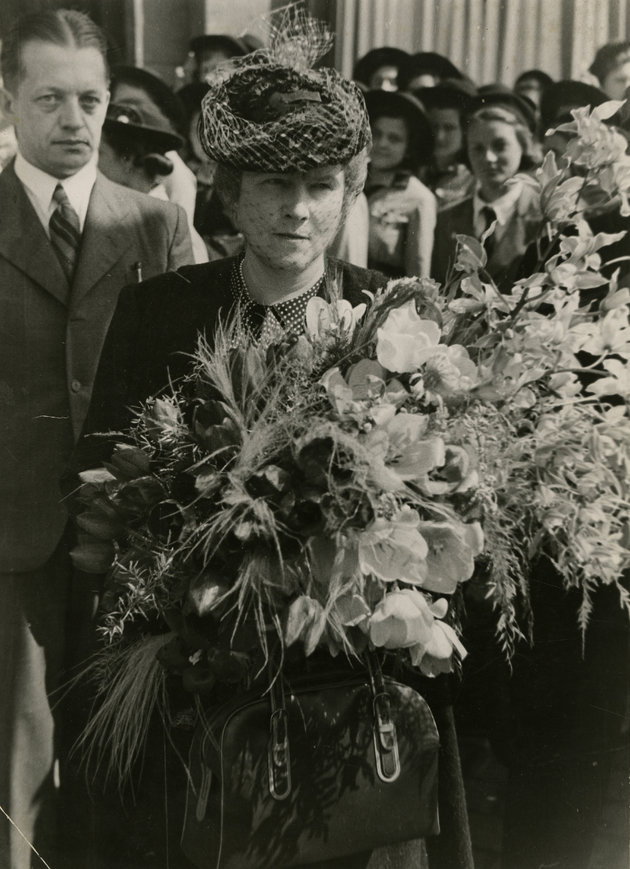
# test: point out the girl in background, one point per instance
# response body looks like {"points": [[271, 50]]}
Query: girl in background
{"points": [[499, 144], [402, 209]]}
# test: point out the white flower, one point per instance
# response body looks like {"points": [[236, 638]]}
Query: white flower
{"points": [[405, 341], [323, 318]]}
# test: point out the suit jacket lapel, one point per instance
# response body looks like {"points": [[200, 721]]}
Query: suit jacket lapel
{"points": [[23, 240], [106, 237]]}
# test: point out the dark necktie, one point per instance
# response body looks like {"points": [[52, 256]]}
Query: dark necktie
{"points": [[65, 232], [489, 216]]}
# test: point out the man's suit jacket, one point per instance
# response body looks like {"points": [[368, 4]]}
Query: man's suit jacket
{"points": [[507, 252], [50, 340]]}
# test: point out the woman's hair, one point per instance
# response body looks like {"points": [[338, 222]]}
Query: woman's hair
{"points": [[65, 27], [227, 182], [530, 157]]}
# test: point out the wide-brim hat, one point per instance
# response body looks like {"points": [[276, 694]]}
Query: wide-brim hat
{"points": [[129, 121], [500, 96], [608, 58], [386, 55], [452, 93], [563, 96], [398, 104]]}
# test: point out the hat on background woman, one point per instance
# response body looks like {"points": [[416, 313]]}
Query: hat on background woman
{"points": [[397, 104], [379, 58], [501, 96]]}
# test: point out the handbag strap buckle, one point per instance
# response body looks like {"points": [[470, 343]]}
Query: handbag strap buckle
{"points": [[279, 756]]}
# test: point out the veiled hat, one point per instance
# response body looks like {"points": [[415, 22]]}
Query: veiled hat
{"points": [[272, 112]]}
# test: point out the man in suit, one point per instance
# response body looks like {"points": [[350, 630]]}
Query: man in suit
{"points": [[69, 241]]}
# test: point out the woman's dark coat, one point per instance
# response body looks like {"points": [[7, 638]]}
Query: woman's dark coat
{"points": [[153, 332]]}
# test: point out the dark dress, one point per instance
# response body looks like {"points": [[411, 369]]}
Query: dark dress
{"points": [[155, 326]]}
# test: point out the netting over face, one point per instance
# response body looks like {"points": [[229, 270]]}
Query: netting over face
{"points": [[270, 112]]}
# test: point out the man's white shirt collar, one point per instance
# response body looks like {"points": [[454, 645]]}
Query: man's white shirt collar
{"points": [[503, 207], [40, 187]]}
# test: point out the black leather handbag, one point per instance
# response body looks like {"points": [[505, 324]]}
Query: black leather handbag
{"points": [[311, 769]]}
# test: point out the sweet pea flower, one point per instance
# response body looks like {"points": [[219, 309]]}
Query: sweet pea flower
{"points": [[451, 557], [437, 655], [449, 371], [402, 619], [393, 549], [405, 341], [401, 453], [617, 384], [323, 318]]}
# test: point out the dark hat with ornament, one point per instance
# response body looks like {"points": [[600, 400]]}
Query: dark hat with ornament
{"points": [[502, 97], [385, 55], [563, 96], [130, 122], [396, 104], [608, 58], [452, 93], [426, 63], [270, 111]]}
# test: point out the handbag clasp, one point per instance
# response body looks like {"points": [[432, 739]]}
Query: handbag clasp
{"points": [[385, 740]]}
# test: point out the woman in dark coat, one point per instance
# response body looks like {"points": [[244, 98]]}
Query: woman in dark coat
{"points": [[291, 148]]}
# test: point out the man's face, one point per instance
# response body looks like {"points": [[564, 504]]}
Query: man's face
{"points": [[58, 106]]}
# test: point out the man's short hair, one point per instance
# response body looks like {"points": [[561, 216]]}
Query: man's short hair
{"points": [[66, 27]]}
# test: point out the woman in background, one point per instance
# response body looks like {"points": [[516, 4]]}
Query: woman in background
{"points": [[611, 67], [447, 175], [132, 152], [402, 209], [141, 90], [499, 144]]}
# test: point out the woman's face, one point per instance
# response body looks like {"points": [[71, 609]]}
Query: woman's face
{"points": [[390, 140], [447, 134], [495, 155], [123, 170], [385, 78], [616, 82], [289, 219]]}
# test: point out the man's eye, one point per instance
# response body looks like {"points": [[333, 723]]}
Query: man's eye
{"points": [[48, 99], [90, 102]]}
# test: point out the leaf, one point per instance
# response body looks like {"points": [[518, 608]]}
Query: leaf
{"points": [[471, 255]]}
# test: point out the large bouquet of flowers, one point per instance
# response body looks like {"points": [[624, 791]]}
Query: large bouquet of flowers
{"points": [[333, 491]]}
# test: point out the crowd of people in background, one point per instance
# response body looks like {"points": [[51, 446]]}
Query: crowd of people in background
{"points": [[445, 156], [450, 156]]}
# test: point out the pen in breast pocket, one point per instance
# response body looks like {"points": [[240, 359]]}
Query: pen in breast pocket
{"points": [[137, 270]]}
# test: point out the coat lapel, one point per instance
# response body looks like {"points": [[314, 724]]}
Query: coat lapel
{"points": [[23, 241], [106, 237]]}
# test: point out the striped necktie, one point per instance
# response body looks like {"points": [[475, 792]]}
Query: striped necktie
{"points": [[65, 232]]}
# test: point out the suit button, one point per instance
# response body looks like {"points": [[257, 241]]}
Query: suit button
{"points": [[75, 386]]}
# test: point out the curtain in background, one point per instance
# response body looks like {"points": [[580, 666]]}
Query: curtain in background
{"points": [[490, 40]]}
